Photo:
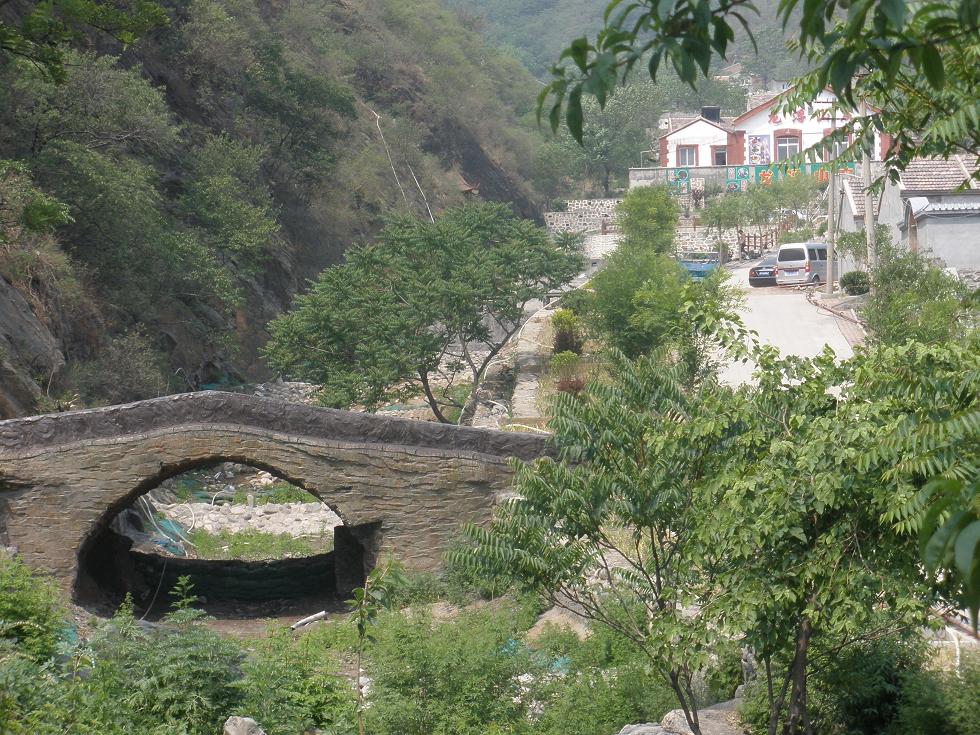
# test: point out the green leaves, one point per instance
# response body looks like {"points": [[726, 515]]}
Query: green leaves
{"points": [[864, 50], [411, 308], [932, 65], [47, 29], [950, 533]]}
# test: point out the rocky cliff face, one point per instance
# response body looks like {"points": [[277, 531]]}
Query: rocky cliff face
{"points": [[29, 354]]}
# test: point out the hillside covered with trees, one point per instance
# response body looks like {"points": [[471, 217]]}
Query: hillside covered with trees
{"points": [[537, 31], [160, 202]]}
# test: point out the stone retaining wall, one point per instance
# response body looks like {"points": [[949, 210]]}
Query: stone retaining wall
{"points": [[583, 215], [241, 580]]}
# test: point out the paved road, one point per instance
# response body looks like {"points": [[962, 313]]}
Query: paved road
{"points": [[784, 318]]}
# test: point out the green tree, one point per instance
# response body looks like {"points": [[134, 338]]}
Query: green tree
{"points": [[647, 216], [614, 134], [613, 307], [785, 513], [226, 197], [913, 299], [42, 32], [429, 300]]}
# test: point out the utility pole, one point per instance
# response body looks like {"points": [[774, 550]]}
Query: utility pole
{"points": [[831, 200], [869, 215]]}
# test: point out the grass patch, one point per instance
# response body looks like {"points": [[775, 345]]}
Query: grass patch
{"points": [[457, 394], [253, 545], [279, 492]]}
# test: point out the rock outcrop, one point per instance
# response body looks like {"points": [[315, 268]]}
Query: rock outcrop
{"points": [[27, 350]]}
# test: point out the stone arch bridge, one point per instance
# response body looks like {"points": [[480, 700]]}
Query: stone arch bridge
{"points": [[411, 484]]}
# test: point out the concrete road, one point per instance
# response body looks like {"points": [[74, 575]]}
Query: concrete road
{"points": [[785, 319]]}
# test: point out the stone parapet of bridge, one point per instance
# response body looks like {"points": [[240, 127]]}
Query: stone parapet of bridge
{"points": [[63, 477]]}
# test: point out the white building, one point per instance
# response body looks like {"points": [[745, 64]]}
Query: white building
{"points": [[758, 137]]}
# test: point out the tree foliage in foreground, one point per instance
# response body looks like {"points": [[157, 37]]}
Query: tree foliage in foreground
{"points": [[783, 514], [914, 61], [428, 303], [46, 29]]}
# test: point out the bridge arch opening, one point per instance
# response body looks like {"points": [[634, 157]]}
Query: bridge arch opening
{"points": [[253, 540]]}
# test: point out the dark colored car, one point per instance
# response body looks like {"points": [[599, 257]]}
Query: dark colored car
{"points": [[763, 273]]}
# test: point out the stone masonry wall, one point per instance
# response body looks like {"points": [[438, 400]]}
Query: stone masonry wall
{"points": [[64, 476], [583, 215]]}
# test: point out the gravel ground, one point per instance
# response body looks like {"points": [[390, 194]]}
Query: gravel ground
{"points": [[295, 519]]}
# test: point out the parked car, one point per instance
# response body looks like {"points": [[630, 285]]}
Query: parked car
{"points": [[763, 273], [699, 264], [801, 263]]}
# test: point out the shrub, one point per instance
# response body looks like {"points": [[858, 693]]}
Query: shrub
{"points": [[464, 584], [604, 683], [855, 283], [912, 299], [565, 367], [559, 205], [458, 676], [127, 369], [578, 301], [860, 690], [568, 332], [940, 702], [801, 235], [179, 677], [31, 614], [291, 686]]}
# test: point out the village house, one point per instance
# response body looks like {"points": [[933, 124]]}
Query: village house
{"points": [[737, 151], [933, 208], [758, 137]]}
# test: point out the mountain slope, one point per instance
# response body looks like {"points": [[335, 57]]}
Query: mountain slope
{"points": [[538, 31], [195, 181]]}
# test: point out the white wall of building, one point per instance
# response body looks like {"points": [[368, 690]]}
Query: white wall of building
{"points": [[700, 134], [811, 121]]}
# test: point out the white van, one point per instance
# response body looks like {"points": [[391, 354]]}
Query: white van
{"points": [[801, 263]]}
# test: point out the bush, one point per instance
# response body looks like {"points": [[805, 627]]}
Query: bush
{"points": [[291, 686], [458, 676], [180, 674], [912, 299], [602, 684], [559, 205], [940, 702], [578, 301], [801, 235], [568, 332], [565, 367], [463, 584], [862, 690], [127, 369], [627, 273], [855, 283], [31, 615]]}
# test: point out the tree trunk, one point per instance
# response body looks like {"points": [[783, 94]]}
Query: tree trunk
{"points": [[797, 716], [690, 710], [431, 399]]}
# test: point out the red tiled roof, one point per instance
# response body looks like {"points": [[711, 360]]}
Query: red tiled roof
{"points": [[854, 194], [723, 125], [937, 174]]}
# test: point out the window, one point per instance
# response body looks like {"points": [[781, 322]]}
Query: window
{"points": [[786, 147], [790, 254], [719, 155], [687, 155]]}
